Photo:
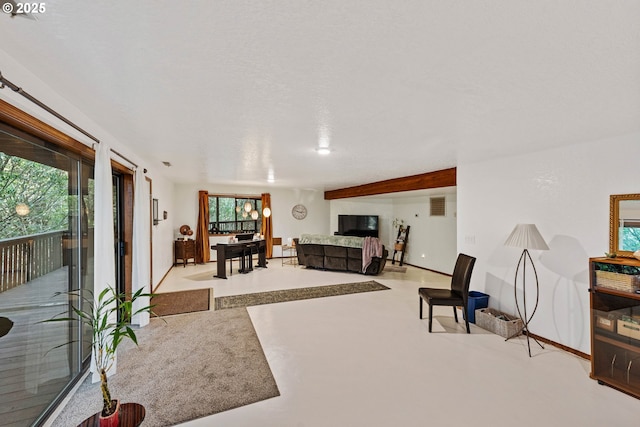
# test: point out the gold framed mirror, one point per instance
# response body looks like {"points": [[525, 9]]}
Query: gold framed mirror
{"points": [[624, 224]]}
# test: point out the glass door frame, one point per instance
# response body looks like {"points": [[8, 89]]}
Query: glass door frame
{"points": [[50, 136]]}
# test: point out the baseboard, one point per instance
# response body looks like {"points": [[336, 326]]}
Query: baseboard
{"points": [[424, 268], [561, 346]]}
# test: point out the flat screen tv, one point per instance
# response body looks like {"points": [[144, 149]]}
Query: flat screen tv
{"points": [[358, 225]]}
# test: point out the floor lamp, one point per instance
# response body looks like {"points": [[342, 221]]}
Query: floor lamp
{"points": [[528, 237]]}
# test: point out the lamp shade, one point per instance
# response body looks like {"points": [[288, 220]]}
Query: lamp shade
{"points": [[254, 214], [266, 212], [22, 209], [526, 236], [247, 207]]}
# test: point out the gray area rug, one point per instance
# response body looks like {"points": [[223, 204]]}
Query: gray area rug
{"points": [[192, 366], [285, 295]]}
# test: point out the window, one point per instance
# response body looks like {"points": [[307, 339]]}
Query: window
{"points": [[629, 235], [227, 214]]}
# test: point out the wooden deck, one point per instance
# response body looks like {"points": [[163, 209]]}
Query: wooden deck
{"points": [[31, 374]]}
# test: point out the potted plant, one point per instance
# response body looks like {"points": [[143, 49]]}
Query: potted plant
{"points": [[108, 331]]}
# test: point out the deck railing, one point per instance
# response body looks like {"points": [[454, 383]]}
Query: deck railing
{"points": [[29, 257]]}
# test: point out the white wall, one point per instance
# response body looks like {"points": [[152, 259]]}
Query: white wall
{"points": [[432, 240], [565, 192], [435, 237], [282, 200], [162, 234]]}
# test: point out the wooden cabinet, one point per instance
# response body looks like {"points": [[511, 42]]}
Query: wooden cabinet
{"points": [[184, 250], [615, 323]]}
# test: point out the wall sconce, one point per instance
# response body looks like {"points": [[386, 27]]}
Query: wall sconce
{"points": [[266, 212], [155, 212]]}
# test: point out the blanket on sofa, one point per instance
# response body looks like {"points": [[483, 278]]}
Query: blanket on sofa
{"points": [[371, 247], [323, 239]]}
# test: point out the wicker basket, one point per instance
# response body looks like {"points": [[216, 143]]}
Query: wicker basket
{"points": [[608, 322], [506, 326], [617, 281], [629, 329]]}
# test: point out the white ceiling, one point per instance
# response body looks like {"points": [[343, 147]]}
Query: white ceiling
{"points": [[231, 91]]}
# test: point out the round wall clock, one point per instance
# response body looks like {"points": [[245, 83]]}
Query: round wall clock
{"points": [[299, 211]]}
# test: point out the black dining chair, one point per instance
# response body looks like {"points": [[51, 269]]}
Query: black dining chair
{"points": [[456, 296]]}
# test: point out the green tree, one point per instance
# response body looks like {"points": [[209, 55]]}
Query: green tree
{"points": [[630, 238], [42, 188]]}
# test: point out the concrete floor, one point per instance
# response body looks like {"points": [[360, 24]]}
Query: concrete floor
{"points": [[368, 360]]}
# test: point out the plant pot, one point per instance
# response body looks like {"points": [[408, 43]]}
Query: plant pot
{"points": [[111, 420]]}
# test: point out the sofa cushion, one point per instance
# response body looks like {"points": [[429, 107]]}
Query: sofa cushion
{"points": [[311, 249], [336, 251], [355, 253], [354, 264], [315, 261], [336, 263]]}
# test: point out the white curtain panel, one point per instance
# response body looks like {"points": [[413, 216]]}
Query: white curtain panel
{"points": [[104, 257], [141, 246]]}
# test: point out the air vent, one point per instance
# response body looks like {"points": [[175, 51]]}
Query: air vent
{"points": [[437, 206]]}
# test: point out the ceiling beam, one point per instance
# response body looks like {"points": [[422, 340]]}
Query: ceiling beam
{"points": [[437, 179]]}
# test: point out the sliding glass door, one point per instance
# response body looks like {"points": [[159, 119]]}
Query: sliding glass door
{"points": [[46, 249]]}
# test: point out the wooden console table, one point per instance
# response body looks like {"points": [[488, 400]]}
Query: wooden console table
{"points": [[131, 415], [184, 250]]}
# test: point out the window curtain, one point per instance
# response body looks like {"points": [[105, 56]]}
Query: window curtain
{"points": [[104, 264], [140, 243], [267, 229], [202, 230]]}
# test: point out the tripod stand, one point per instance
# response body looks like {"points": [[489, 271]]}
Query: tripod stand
{"points": [[526, 318]]}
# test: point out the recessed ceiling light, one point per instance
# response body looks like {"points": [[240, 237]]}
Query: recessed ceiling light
{"points": [[323, 150]]}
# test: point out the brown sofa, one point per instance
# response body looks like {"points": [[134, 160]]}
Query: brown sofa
{"points": [[337, 258]]}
